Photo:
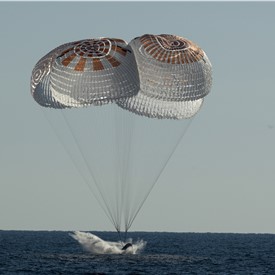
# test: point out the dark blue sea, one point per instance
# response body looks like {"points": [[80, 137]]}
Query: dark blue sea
{"points": [[56, 252]]}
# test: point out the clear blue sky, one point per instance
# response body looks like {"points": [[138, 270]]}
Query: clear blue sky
{"points": [[221, 178]]}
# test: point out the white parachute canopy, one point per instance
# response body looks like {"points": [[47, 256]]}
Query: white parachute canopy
{"points": [[121, 110], [85, 72], [175, 75]]}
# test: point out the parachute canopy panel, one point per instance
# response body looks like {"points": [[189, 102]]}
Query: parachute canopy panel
{"points": [[159, 108]]}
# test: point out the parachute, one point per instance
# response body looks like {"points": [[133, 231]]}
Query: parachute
{"points": [[126, 108], [83, 73], [175, 76]]}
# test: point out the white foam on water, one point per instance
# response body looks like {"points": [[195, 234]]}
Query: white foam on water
{"points": [[95, 245]]}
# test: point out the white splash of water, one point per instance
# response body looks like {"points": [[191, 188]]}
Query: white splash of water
{"points": [[95, 245]]}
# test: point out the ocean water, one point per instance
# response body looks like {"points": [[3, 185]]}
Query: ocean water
{"points": [[59, 252]]}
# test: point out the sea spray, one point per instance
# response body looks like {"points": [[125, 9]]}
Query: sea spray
{"points": [[96, 245]]}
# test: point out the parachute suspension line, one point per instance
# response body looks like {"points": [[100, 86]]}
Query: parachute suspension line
{"points": [[75, 164], [67, 151], [123, 239], [124, 135], [115, 164], [125, 235], [107, 210], [128, 168], [119, 236], [130, 222]]}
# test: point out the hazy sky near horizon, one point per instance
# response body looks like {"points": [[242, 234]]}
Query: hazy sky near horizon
{"points": [[221, 178]]}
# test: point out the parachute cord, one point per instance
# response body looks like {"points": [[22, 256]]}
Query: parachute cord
{"points": [[122, 240], [92, 174], [127, 161], [129, 224], [125, 235], [119, 235], [77, 167]]}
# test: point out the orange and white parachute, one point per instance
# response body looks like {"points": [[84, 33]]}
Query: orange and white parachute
{"points": [[162, 76], [175, 76], [86, 72], [137, 98]]}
